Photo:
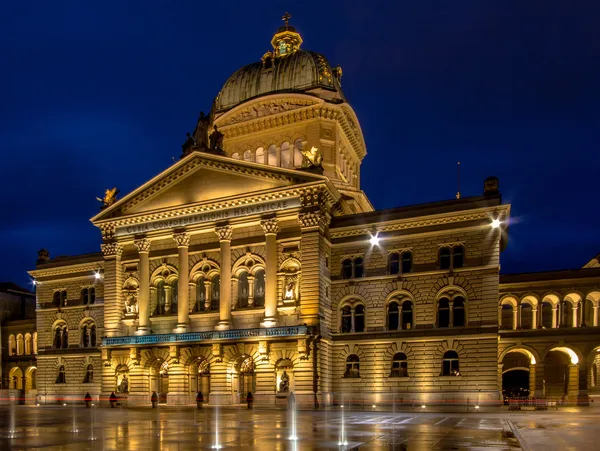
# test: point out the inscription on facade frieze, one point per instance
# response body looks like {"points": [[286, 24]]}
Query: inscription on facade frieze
{"points": [[217, 215], [201, 336]]}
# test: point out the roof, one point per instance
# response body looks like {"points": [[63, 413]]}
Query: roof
{"points": [[10, 287], [62, 260], [302, 71], [561, 274]]}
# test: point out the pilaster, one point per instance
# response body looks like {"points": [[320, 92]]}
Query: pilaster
{"points": [[225, 233], [271, 228], [113, 282], [183, 309], [143, 247]]}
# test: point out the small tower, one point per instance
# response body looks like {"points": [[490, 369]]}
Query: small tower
{"points": [[491, 186], [287, 40], [43, 257]]}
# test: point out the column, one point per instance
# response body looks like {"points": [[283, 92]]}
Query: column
{"points": [[534, 321], [554, 316], [573, 384], [450, 313], [531, 380], [183, 307], [250, 291], [143, 247], [575, 315], [193, 295], [270, 227], [595, 316], [113, 284], [225, 233], [584, 320], [207, 294], [515, 317]]}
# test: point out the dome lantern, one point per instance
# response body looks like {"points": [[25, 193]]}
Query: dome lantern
{"points": [[287, 40]]}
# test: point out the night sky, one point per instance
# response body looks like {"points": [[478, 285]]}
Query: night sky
{"points": [[99, 96]]}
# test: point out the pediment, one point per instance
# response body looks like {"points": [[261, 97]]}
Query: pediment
{"points": [[201, 178]]}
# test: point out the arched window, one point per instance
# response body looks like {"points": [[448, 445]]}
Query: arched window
{"points": [[347, 269], [260, 155], [61, 336], [399, 365], [259, 289], [59, 298], [547, 315], [174, 297], [450, 364], [61, 378], [161, 299], [359, 318], [88, 295], [394, 263], [298, 153], [346, 320], [444, 312], [248, 155], [393, 316], [84, 295], [352, 366], [12, 345], [200, 296], [407, 259], [236, 156], [243, 290], [272, 155], [28, 344], [507, 317], [20, 344], [444, 257], [88, 334], [215, 293], [56, 299], [358, 267], [567, 314], [89, 375], [458, 307], [458, 256], [526, 316], [286, 155], [407, 315], [588, 313], [35, 343]]}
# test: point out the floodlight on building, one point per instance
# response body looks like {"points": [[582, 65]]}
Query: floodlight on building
{"points": [[495, 223], [477, 407], [374, 240], [423, 406], [97, 275]]}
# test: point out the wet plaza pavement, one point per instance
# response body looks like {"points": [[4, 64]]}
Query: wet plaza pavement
{"points": [[67, 428]]}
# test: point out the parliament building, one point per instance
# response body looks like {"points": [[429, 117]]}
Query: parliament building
{"points": [[255, 263]]}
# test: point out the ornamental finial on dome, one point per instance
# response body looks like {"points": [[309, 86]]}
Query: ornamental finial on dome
{"points": [[287, 40]]}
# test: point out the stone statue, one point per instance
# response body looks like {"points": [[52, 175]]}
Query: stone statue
{"points": [[186, 147], [110, 197], [289, 291], [284, 383], [201, 131], [216, 140], [312, 158], [131, 304], [123, 386]]}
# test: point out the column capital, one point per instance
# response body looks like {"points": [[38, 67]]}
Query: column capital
{"points": [[270, 226], [142, 244], [108, 230], [182, 239], [314, 219], [111, 249], [224, 233]]}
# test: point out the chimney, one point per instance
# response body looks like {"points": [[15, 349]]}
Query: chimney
{"points": [[491, 186], [43, 257]]}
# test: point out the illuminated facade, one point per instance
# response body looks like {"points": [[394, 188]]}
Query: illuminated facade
{"points": [[257, 264]]}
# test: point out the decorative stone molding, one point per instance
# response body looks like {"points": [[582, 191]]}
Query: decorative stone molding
{"points": [[112, 249], [217, 352], [182, 239], [303, 348], [263, 350], [313, 219], [134, 356], [174, 354], [263, 109], [142, 244], [108, 230], [270, 226], [225, 233], [105, 356]]}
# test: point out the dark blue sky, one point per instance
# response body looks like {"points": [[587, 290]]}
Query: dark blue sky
{"points": [[98, 96]]}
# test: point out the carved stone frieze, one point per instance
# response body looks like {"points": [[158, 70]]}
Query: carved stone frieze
{"points": [[108, 230], [142, 244], [182, 239], [312, 219], [264, 109], [111, 249], [270, 226], [225, 233]]}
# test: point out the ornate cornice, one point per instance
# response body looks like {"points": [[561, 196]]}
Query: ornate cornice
{"points": [[225, 233], [111, 249], [67, 270], [108, 230], [312, 219], [263, 108], [417, 222], [270, 226], [182, 239]]}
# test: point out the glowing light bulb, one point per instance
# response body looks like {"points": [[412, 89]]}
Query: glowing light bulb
{"points": [[423, 406], [374, 240], [495, 223], [97, 275]]}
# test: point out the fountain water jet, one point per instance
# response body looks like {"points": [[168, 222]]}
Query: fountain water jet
{"points": [[217, 444], [343, 441], [93, 421], [74, 430], [12, 429], [292, 417]]}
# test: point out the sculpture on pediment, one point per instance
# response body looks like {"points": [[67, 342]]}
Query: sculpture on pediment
{"points": [[313, 158], [216, 140], [110, 197], [201, 131], [190, 142]]}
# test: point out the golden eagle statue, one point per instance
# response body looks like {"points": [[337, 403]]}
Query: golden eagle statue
{"points": [[312, 158], [110, 197]]}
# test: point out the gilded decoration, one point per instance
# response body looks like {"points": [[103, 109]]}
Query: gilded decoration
{"points": [[225, 233], [112, 249], [182, 239], [110, 197], [313, 158]]}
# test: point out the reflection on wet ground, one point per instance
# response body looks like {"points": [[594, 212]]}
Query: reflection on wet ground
{"points": [[51, 428]]}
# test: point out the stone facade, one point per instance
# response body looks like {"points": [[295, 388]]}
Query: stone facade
{"points": [[260, 266]]}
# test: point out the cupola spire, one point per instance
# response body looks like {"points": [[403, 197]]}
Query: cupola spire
{"points": [[287, 40]]}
